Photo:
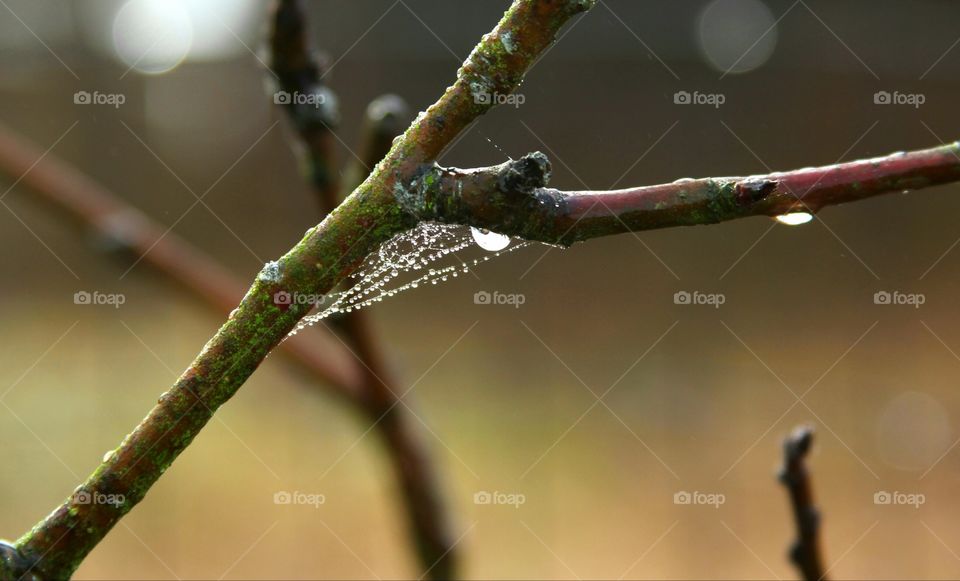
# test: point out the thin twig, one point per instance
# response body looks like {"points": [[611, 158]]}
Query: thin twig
{"points": [[303, 94], [511, 198], [300, 74], [805, 552]]}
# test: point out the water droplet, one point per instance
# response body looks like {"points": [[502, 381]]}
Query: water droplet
{"points": [[794, 218], [489, 240]]}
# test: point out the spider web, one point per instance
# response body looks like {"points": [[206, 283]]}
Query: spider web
{"points": [[420, 256]]}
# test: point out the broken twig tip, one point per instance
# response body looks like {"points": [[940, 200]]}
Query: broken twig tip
{"points": [[526, 174]]}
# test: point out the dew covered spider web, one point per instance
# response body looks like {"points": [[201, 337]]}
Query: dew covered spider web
{"points": [[428, 254]]}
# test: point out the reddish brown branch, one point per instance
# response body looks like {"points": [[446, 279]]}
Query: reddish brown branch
{"points": [[805, 552], [300, 73], [511, 198]]}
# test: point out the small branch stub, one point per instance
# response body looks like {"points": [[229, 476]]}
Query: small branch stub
{"points": [[510, 198]]}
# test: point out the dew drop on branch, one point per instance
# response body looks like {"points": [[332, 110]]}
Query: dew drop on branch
{"points": [[794, 218], [489, 240]]}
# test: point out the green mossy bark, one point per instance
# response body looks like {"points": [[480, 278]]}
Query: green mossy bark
{"points": [[55, 547]]}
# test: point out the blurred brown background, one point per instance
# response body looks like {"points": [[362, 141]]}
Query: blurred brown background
{"points": [[506, 408]]}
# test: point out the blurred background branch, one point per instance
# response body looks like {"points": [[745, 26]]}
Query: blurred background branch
{"points": [[805, 552], [312, 108], [124, 230]]}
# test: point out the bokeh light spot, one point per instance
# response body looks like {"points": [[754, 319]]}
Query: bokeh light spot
{"points": [[737, 36], [152, 36]]}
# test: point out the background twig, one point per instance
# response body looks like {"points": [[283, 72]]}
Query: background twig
{"points": [[312, 108], [805, 552]]}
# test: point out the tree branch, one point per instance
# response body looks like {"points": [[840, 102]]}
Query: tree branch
{"points": [[327, 254], [309, 103], [805, 551], [512, 198], [300, 73]]}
